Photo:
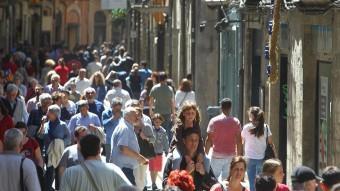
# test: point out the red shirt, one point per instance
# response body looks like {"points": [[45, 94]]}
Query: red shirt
{"points": [[63, 73], [282, 187], [224, 130], [5, 123], [29, 148]]}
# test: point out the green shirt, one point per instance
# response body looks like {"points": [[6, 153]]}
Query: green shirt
{"points": [[163, 97]]}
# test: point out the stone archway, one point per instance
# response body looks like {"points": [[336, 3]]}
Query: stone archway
{"points": [[99, 27]]}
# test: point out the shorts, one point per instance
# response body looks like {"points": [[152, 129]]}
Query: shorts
{"points": [[155, 164]]}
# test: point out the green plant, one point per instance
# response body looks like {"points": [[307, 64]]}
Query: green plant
{"points": [[119, 13]]}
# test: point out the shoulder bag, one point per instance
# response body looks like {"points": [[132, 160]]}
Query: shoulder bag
{"points": [[22, 186], [269, 152]]}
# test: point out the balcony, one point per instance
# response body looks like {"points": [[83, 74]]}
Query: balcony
{"points": [[151, 6]]}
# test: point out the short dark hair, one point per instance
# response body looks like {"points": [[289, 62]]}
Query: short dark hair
{"points": [[89, 145], [265, 183], [331, 176], [162, 76], [226, 103], [20, 125], [189, 131]]}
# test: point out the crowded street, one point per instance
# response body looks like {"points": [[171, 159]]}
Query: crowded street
{"points": [[173, 95]]}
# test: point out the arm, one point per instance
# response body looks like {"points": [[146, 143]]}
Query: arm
{"points": [[30, 176], [270, 141], [131, 153], [65, 184], [239, 144], [151, 102], [39, 158], [67, 136], [165, 143], [166, 172], [208, 142], [148, 132], [106, 119]]}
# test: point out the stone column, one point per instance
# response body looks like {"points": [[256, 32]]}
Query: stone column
{"points": [[295, 93]]}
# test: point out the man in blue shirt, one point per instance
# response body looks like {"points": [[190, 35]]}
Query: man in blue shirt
{"points": [[144, 72], [125, 148], [87, 119], [95, 106], [111, 118]]}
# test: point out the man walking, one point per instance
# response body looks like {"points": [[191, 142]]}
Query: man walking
{"points": [[17, 172], [92, 174], [125, 149], [224, 135], [162, 97]]}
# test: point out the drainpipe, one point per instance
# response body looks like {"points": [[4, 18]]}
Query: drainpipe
{"points": [[183, 38], [194, 21], [170, 37]]}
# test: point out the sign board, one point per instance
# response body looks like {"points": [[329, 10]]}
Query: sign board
{"points": [[47, 23], [113, 4]]}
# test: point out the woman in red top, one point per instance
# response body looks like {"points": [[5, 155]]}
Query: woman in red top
{"points": [[235, 180], [273, 167], [30, 146], [6, 122]]}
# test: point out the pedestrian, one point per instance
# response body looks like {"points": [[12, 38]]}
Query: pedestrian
{"points": [[197, 165], [15, 104], [74, 94], [81, 81], [95, 106], [189, 118], [6, 122], [33, 102], [55, 85], [336, 187], [224, 134], [330, 177], [87, 119], [94, 66], [62, 70], [134, 81], [273, 167], [31, 149], [125, 148], [304, 178], [49, 65], [162, 101], [111, 118], [144, 97], [56, 137], [116, 91], [17, 172], [92, 174], [265, 183], [72, 155], [235, 179], [161, 146], [98, 83], [184, 93], [144, 72], [254, 135]]}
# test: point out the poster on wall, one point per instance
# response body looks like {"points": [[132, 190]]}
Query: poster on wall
{"points": [[113, 4]]}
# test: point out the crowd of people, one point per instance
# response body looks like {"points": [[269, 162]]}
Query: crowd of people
{"points": [[95, 119]]}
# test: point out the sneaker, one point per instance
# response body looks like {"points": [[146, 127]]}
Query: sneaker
{"points": [[154, 187], [145, 188]]}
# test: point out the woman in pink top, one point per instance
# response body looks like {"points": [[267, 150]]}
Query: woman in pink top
{"points": [[273, 167], [235, 179]]}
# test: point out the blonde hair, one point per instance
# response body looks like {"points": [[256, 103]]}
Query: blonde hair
{"points": [[270, 166]]}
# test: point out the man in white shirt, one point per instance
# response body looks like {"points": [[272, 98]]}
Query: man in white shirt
{"points": [[93, 67], [116, 91], [81, 81], [93, 173]]}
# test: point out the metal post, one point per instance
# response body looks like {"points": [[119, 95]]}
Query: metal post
{"points": [[170, 37], [183, 38]]}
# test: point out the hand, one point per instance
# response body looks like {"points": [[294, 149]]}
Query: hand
{"points": [[142, 135], [143, 160], [92, 127], [190, 167], [200, 168], [44, 119]]}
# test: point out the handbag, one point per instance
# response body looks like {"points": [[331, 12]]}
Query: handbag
{"points": [[146, 148], [269, 152]]}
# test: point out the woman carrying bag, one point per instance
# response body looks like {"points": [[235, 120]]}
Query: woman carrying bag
{"points": [[256, 136]]}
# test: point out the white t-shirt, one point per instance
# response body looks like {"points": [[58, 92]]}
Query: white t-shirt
{"points": [[180, 98], [254, 147]]}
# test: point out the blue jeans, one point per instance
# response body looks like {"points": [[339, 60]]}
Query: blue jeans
{"points": [[129, 175], [254, 167]]}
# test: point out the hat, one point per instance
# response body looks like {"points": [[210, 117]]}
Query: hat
{"points": [[302, 174], [331, 176]]}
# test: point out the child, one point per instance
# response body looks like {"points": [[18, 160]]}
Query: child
{"points": [[161, 144]]}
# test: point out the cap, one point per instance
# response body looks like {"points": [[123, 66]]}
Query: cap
{"points": [[302, 174], [331, 176]]}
